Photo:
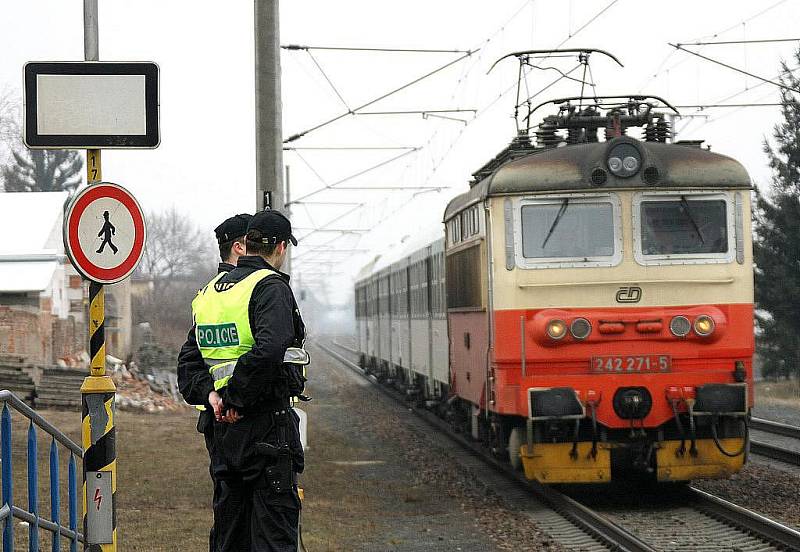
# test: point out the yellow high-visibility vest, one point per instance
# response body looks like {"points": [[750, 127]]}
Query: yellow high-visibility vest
{"points": [[222, 323]]}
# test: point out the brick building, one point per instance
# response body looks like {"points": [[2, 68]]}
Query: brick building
{"points": [[42, 297]]}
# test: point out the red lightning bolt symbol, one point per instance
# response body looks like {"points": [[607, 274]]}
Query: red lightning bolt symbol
{"points": [[98, 498]]}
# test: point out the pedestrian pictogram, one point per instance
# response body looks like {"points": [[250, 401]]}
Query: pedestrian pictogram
{"points": [[104, 232]]}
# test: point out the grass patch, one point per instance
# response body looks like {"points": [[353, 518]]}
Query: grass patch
{"points": [[164, 490], [778, 392]]}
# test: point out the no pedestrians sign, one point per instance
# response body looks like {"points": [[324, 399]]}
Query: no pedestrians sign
{"points": [[104, 232]]}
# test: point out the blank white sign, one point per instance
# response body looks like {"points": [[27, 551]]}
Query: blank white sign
{"points": [[90, 104]]}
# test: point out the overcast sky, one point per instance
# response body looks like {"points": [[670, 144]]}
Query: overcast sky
{"points": [[205, 165]]}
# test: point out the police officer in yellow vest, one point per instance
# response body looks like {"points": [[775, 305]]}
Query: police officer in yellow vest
{"points": [[230, 235], [248, 332]]}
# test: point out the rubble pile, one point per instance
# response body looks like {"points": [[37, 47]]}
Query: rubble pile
{"points": [[147, 392]]}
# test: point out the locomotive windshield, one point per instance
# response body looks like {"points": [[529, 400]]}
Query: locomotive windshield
{"points": [[565, 229], [682, 226]]}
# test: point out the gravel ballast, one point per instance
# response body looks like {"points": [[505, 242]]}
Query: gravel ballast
{"points": [[378, 478]]}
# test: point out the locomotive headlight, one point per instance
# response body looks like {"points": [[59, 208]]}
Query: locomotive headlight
{"points": [[624, 160], [580, 328], [630, 164], [704, 325], [680, 326], [556, 329]]}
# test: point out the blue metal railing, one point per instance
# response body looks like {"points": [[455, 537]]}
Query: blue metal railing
{"points": [[9, 511]]}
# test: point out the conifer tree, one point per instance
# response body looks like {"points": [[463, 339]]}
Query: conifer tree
{"points": [[42, 171], [777, 240]]}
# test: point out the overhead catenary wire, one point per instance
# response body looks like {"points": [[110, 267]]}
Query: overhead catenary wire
{"points": [[379, 98], [524, 4], [660, 69], [329, 223], [481, 111], [760, 84], [733, 68], [352, 176], [364, 49], [747, 20], [330, 82], [714, 106], [712, 120], [416, 111], [468, 52], [348, 148], [721, 42]]}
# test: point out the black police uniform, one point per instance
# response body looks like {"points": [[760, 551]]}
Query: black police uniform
{"points": [[250, 514], [230, 229]]}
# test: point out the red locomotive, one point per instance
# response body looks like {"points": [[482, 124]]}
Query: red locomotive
{"points": [[596, 304]]}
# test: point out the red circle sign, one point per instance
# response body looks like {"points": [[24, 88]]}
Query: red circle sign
{"points": [[104, 232]]}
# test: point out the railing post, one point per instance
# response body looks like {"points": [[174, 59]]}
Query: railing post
{"points": [[73, 504], [33, 489], [55, 495], [8, 494]]}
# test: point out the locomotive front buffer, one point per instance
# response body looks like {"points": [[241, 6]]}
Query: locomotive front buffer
{"points": [[706, 437]]}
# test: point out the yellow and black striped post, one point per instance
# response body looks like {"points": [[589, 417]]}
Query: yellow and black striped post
{"points": [[97, 431]]}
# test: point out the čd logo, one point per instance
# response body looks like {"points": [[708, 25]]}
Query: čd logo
{"points": [[630, 294], [217, 335]]}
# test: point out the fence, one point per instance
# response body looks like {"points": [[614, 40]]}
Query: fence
{"points": [[9, 511]]}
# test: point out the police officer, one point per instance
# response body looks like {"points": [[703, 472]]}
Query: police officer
{"points": [[245, 320], [194, 381], [230, 237]]}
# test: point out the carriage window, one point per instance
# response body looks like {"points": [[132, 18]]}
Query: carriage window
{"points": [[565, 229], [683, 226]]}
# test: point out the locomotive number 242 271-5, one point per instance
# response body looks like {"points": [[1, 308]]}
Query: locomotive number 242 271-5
{"points": [[634, 363]]}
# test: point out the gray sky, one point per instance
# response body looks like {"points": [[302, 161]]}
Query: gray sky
{"points": [[205, 164]]}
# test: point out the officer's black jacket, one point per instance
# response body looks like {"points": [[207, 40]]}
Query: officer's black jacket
{"points": [[270, 312], [225, 267]]}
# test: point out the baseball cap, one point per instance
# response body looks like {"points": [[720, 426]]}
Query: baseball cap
{"points": [[270, 226], [232, 228]]}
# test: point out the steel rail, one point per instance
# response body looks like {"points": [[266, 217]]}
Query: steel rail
{"points": [[752, 522], [776, 453], [769, 450], [592, 523], [777, 428]]}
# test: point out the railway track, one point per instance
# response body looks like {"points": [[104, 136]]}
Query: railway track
{"points": [[772, 450], [567, 519]]}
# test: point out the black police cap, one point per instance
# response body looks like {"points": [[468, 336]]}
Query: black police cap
{"points": [[232, 228], [271, 227]]}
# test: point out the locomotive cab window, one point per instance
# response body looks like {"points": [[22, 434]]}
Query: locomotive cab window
{"points": [[683, 228], [573, 231]]}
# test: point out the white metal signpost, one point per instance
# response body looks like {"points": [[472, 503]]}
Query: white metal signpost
{"points": [[92, 105]]}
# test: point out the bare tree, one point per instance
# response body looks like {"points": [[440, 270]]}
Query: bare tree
{"points": [[175, 247], [10, 130], [178, 260]]}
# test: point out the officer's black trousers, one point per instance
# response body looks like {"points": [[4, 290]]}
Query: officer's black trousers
{"points": [[248, 515]]}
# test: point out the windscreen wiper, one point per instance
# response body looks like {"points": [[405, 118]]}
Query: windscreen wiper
{"points": [[555, 221], [688, 211]]}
